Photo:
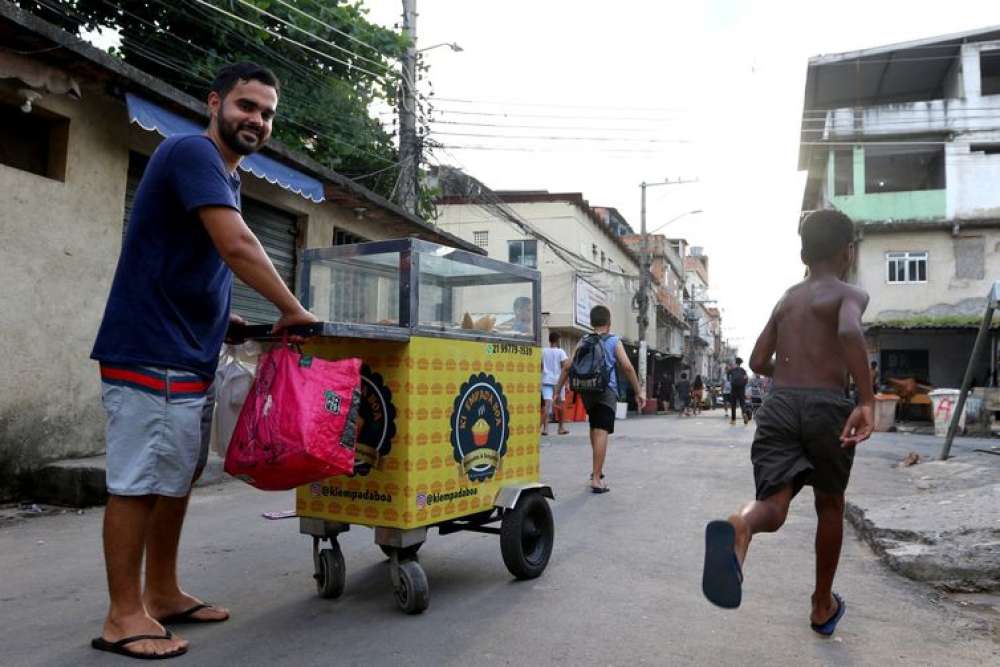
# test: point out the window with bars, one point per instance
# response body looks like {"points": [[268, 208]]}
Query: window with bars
{"points": [[481, 239], [340, 237], [906, 267]]}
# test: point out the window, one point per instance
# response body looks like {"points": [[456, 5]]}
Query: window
{"points": [[603, 258], [985, 149], [34, 142], [481, 239], [843, 172], [593, 251], [904, 168], [906, 267], [340, 237], [989, 72], [524, 253]]}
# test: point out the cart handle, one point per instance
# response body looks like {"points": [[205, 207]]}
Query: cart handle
{"points": [[240, 333]]}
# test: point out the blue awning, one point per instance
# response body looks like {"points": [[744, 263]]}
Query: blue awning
{"points": [[157, 119]]}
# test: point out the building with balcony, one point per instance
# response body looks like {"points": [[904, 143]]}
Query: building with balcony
{"points": [[905, 139]]}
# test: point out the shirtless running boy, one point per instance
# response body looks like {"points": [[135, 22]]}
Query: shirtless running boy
{"points": [[807, 429]]}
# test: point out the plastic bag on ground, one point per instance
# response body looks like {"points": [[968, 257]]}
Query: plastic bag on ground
{"points": [[297, 425]]}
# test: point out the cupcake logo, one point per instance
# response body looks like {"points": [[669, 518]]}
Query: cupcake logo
{"points": [[376, 423], [480, 426]]}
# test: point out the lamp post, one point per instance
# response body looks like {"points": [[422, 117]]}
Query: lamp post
{"points": [[642, 298]]}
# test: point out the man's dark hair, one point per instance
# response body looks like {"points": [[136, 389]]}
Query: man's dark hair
{"points": [[554, 337], [600, 316], [739, 361], [824, 234], [230, 75]]}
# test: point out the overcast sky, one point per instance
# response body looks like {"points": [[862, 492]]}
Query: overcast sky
{"points": [[724, 76]]}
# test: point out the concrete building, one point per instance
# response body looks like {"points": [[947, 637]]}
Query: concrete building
{"points": [[78, 126], [583, 261], [905, 139], [667, 278]]}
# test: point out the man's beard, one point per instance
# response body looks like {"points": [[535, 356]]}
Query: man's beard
{"points": [[230, 135]]}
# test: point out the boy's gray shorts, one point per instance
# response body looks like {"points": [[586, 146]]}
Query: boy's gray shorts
{"points": [[157, 442]]}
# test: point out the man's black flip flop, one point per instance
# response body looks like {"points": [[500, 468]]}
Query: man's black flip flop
{"points": [[120, 647], [722, 580], [188, 616], [599, 489]]}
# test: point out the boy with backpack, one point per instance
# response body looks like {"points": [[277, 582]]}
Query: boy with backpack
{"points": [[592, 375]]}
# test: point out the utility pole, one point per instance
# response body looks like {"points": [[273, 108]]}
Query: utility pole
{"points": [[409, 149], [642, 298]]}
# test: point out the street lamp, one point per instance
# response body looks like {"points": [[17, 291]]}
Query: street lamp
{"points": [[451, 45], [643, 296], [676, 218]]}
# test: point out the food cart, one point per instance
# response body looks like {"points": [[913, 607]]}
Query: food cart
{"points": [[448, 432]]}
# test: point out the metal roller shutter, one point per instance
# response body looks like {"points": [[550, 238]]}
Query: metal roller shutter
{"points": [[276, 230]]}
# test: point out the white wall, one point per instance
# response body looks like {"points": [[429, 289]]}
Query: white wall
{"points": [[569, 226], [943, 291]]}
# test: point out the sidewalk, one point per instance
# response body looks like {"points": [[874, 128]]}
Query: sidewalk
{"points": [[935, 521], [81, 482]]}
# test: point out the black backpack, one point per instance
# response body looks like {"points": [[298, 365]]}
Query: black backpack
{"points": [[738, 378], [589, 373]]}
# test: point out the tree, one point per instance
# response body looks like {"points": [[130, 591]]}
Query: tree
{"points": [[341, 66]]}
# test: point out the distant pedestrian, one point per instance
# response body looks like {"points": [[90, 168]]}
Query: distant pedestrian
{"points": [[697, 393], [683, 393], [727, 390], [738, 384], [554, 359], [806, 430], [592, 374], [875, 377]]}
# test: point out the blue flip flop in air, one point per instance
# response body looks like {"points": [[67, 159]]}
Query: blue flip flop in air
{"points": [[722, 580], [826, 629]]}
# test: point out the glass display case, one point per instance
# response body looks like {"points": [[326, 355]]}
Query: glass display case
{"points": [[393, 289]]}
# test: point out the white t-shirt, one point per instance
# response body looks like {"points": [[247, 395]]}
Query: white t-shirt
{"points": [[552, 361]]}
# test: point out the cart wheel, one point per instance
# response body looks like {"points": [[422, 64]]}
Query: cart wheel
{"points": [[405, 553], [413, 594], [526, 536], [331, 573]]}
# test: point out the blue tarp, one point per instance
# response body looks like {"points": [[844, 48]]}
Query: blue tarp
{"points": [[157, 119]]}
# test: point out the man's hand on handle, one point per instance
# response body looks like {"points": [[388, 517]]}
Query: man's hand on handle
{"points": [[297, 317]]}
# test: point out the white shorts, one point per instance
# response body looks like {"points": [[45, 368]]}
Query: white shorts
{"points": [[157, 442]]}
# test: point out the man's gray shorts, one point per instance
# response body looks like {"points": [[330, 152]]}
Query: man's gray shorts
{"points": [[157, 440]]}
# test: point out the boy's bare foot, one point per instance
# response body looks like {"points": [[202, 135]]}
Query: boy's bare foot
{"points": [[742, 543], [133, 625], [178, 608]]}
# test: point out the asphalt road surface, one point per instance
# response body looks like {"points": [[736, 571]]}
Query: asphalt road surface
{"points": [[622, 588]]}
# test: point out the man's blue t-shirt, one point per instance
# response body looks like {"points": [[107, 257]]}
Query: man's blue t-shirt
{"points": [[169, 301]]}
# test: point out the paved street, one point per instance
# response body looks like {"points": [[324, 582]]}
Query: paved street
{"points": [[623, 586]]}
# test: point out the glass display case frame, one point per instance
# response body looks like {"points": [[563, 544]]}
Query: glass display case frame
{"points": [[411, 251]]}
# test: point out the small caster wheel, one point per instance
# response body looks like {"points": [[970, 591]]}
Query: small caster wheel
{"points": [[412, 592], [527, 533], [405, 553], [330, 572]]}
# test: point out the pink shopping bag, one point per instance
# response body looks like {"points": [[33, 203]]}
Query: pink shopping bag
{"points": [[298, 423]]}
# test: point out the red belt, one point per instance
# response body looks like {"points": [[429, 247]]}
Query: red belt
{"points": [[144, 379]]}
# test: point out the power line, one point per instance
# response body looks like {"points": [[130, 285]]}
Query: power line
{"points": [[539, 127], [457, 112], [554, 138], [316, 37], [561, 106], [327, 25], [288, 39]]}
